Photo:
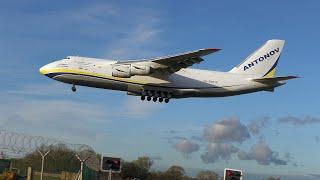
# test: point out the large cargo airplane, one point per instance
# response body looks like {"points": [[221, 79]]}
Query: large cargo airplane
{"points": [[163, 78]]}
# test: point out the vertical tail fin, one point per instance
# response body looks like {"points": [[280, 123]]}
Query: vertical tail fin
{"points": [[263, 61]]}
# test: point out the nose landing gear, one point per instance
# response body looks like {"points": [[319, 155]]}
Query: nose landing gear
{"points": [[74, 89]]}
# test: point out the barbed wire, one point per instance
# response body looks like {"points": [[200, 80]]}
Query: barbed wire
{"points": [[19, 144]]}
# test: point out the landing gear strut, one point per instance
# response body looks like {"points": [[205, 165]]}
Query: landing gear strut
{"points": [[74, 89]]}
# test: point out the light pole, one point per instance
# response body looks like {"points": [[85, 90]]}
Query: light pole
{"points": [[42, 162], [81, 168]]}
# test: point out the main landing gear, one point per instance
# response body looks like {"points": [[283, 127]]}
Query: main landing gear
{"points": [[156, 96]]}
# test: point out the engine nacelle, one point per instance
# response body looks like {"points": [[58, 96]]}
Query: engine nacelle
{"points": [[139, 70], [126, 71], [122, 71]]}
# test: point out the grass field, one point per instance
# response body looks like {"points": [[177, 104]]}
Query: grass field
{"points": [[46, 177]]}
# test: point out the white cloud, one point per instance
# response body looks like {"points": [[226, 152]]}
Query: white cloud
{"points": [[52, 117], [299, 121], [218, 151], [262, 153], [256, 125], [57, 111], [54, 88], [227, 130], [31, 110], [133, 106], [141, 40], [186, 147]]}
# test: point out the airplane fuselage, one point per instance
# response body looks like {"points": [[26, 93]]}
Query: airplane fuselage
{"points": [[166, 77], [185, 83]]}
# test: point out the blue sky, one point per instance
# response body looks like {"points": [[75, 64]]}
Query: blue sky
{"points": [[35, 33]]}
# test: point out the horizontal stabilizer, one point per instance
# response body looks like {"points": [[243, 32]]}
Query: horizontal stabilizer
{"points": [[274, 79]]}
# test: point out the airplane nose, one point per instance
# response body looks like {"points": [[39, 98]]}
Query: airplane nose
{"points": [[48, 68], [42, 70]]}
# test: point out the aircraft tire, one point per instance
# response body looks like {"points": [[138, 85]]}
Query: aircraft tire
{"points": [[74, 89]]}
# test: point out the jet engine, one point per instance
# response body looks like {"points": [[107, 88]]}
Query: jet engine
{"points": [[126, 71], [139, 70], [122, 71]]}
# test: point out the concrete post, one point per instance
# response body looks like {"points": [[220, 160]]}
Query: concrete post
{"points": [[29, 173]]}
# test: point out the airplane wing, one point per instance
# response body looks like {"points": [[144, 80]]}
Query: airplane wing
{"points": [[173, 63]]}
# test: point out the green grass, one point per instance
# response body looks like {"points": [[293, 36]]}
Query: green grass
{"points": [[37, 177]]}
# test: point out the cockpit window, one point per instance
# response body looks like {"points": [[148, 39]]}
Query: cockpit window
{"points": [[68, 57]]}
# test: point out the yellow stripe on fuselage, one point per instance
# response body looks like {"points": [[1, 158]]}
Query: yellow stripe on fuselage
{"points": [[79, 72]]}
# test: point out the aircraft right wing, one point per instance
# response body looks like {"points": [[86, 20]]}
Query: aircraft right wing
{"points": [[173, 63]]}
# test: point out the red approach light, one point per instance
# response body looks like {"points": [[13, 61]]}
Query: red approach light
{"points": [[116, 162], [110, 164], [229, 173], [232, 174]]}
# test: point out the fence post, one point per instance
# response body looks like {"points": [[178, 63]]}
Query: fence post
{"points": [[29, 173], [42, 161], [82, 161]]}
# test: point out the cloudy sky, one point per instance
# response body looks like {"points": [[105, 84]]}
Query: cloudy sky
{"points": [[259, 133]]}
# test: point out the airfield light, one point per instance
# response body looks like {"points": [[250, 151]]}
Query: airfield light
{"points": [[232, 174]]}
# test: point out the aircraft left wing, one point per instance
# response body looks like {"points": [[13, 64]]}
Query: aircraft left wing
{"points": [[173, 63]]}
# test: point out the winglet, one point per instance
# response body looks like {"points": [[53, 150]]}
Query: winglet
{"points": [[212, 49]]}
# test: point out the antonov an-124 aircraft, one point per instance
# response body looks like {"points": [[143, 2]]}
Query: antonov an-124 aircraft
{"points": [[163, 78]]}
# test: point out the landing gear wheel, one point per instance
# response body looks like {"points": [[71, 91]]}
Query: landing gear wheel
{"points": [[74, 89], [160, 99], [155, 99], [149, 98], [143, 98], [166, 100]]}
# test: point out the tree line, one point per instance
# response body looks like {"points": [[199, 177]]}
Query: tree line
{"points": [[61, 158], [141, 169]]}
